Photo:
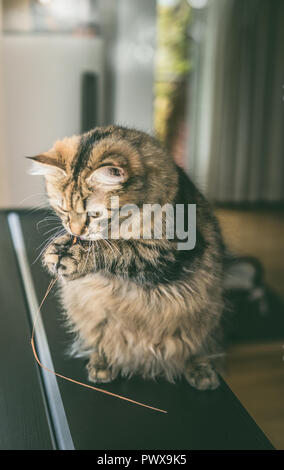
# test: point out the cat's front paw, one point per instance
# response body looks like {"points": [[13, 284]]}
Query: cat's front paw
{"points": [[62, 258], [202, 377], [98, 370]]}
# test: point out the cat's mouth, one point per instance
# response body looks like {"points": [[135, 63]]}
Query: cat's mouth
{"points": [[82, 237], [95, 233]]}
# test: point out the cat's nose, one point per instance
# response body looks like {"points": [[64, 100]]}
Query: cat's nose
{"points": [[76, 229], [78, 224]]}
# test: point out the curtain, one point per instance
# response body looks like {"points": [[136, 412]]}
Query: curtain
{"points": [[244, 159]]}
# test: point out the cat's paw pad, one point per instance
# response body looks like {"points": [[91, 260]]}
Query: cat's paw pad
{"points": [[53, 253], [51, 258], [202, 377], [66, 266], [59, 259], [99, 375], [99, 372]]}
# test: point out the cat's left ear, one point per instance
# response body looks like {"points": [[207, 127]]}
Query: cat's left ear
{"points": [[47, 164]]}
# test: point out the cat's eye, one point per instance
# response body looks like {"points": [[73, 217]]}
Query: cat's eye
{"points": [[94, 214], [109, 175]]}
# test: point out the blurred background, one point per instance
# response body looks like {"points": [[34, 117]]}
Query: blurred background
{"points": [[207, 78]]}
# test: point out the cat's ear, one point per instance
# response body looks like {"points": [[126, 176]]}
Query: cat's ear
{"points": [[47, 164], [108, 176]]}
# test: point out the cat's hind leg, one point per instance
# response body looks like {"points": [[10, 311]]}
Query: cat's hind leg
{"points": [[202, 375]]}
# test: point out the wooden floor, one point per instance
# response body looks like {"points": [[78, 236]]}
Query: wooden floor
{"points": [[258, 233], [255, 372]]}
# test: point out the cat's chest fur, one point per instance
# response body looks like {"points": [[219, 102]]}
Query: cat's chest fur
{"points": [[132, 327]]}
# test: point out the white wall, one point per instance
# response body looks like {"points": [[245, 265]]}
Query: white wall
{"points": [[42, 91], [134, 57], [17, 13]]}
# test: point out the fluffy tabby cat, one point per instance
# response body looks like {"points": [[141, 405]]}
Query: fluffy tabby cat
{"points": [[138, 306]]}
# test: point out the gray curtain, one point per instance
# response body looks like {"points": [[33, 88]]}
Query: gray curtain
{"points": [[246, 152]]}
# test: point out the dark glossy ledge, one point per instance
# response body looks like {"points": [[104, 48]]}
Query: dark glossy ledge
{"points": [[23, 415], [195, 420]]}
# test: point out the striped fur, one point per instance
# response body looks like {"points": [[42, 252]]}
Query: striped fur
{"points": [[137, 306]]}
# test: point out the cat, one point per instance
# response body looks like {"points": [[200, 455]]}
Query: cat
{"points": [[138, 305]]}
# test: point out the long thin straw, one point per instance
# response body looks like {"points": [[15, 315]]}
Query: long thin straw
{"points": [[51, 284]]}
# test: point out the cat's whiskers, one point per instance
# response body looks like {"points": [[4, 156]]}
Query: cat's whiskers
{"points": [[47, 220], [44, 241], [31, 196], [89, 249], [108, 244], [111, 245], [94, 254], [115, 247], [37, 208], [52, 229], [48, 242]]}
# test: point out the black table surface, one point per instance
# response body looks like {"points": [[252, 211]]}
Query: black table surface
{"points": [[195, 420]]}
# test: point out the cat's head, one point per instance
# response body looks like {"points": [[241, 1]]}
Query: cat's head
{"points": [[83, 174]]}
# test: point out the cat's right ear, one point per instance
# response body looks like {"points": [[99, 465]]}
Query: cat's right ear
{"points": [[47, 164]]}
